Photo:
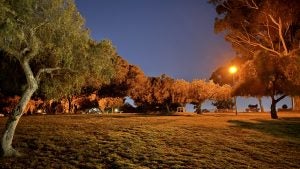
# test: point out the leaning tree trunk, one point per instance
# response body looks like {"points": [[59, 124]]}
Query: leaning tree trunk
{"points": [[273, 106], [11, 124]]}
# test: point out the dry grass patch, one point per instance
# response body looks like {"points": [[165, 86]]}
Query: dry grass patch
{"points": [[143, 141]]}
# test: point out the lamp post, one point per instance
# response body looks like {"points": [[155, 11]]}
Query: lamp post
{"points": [[233, 70]]}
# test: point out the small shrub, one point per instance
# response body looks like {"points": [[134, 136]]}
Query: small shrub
{"points": [[284, 106]]}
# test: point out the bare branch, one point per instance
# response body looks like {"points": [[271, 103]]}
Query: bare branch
{"points": [[24, 51], [279, 24], [281, 38], [50, 70], [241, 39], [252, 4], [45, 70], [225, 5], [273, 20], [269, 35]]}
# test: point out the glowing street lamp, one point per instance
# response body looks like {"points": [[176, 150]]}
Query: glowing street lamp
{"points": [[232, 70]]}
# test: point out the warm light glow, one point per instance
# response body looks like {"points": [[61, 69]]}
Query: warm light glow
{"points": [[232, 69], [116, 110]]}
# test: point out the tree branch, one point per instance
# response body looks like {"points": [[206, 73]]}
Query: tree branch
{"points": [[252, 4], [280, 98], [281, 38], [273, 20], [279, 24], [45, 70], [243, 39], [269, 35]]}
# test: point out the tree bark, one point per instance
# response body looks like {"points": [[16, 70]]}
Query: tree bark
{"points": [[292, 102], [235, 106], [260, 105], [6, 142], [273, 106], [199, 108], [70, 107], [273, 109], [168, 108]]}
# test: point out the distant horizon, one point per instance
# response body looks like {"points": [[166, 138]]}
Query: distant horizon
{"points": [[242, 103]]}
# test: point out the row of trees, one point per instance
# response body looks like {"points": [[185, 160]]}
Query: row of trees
{"points": [[46, 51], [266, 37], [165, 91], [160, 93]]}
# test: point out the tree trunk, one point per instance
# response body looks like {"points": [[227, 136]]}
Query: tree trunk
{"points": [[273, 109], [199, 108], [70, 107], [11, 124], [235, 106], [292, 103], [168, 108], [273, 106], [260, 105]]}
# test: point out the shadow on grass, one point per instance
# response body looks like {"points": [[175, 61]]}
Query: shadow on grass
{"points": [[134, 115], [288, 128]]}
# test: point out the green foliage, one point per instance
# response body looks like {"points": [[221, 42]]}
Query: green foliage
{"points": [[223, 104], [51, 34]]}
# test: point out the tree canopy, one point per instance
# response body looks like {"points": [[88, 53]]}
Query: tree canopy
{"points": [[49, 41], [267, 34]]}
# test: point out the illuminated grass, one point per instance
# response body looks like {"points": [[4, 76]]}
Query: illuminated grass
{"points": [[136, 141]]}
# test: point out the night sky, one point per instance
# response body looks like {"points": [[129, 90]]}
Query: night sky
{"points": [[173, 37]]}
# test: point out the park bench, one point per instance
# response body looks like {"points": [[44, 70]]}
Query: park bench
{"points": [[252, 108]]}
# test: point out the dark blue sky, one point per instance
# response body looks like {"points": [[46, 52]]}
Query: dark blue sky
{"points": [[175, 37]]}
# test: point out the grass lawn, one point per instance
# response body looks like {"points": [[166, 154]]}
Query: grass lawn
{"points": [[249, 140]]}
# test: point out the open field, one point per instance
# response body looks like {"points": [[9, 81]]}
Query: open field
{"points": [[249, 140]]}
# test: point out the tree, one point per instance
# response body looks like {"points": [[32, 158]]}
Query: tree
{"points": [[97, 68], [200, 90], [162, 90], [221, 75], [48, 40], [263, 28], [110, 102], [119, 85], [180, 91], [139, 86], [264, 75], [223, 104]]}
